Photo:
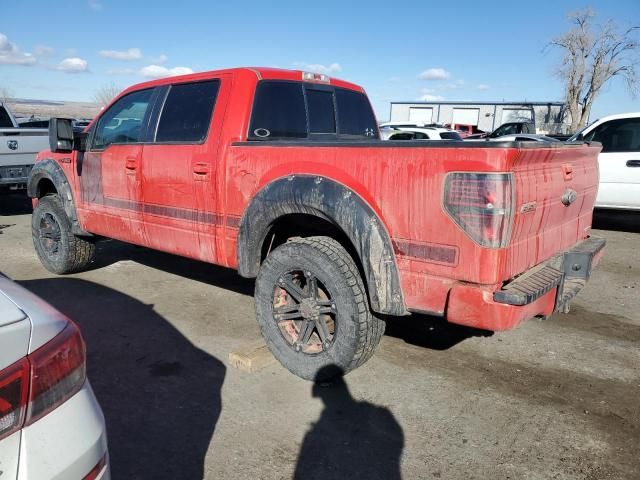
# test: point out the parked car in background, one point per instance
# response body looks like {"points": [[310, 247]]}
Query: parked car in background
{"points": [[465, 130], [524, 137], [33, 123], [416, 133], [619, 159], [51, 425], [18, 149], [515, 128]]}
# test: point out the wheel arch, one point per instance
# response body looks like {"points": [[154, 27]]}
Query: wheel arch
{"points": [[332, 202], [47, 174]]}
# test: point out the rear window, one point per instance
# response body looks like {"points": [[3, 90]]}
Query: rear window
{"points": [[278, 111], [450, 136], [186, 114], [355, 115], [5, 120], [284, 110]]}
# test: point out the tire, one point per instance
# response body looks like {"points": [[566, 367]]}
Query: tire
{"points": [[352, 332], [59, 250]]}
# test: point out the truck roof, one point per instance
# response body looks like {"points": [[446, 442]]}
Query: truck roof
{"points": [[262, 73]]}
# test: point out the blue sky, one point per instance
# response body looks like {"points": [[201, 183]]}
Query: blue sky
{"points": [[464, 50]]}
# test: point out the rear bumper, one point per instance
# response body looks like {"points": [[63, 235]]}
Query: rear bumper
{"points": [[540, 291], [15, 175]]}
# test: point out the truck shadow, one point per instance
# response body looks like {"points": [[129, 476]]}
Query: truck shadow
{"points": [[431, 332], [160, 394], [617, 220], [14, 203], [113, 251]]}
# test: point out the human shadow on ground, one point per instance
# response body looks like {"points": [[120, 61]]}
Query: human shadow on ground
{"points": [[159, 393], [351, 439], [617, 220]]}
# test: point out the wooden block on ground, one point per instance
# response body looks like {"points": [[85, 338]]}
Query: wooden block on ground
{"points": [[251, 357]]}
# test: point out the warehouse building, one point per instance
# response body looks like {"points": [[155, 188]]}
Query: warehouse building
{"points": [[549, 117]]}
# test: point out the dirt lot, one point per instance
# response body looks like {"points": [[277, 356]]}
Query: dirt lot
{"points": [[553, 399]]}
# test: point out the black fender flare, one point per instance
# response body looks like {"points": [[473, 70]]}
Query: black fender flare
{"points": [[50, 170], [332, 201]]}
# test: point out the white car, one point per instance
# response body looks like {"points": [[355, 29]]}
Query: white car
{"points": [[522, 137], [416, 133], [619, 160], [51, 425]]}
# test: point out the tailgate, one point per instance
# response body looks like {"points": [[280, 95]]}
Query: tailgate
{"points": [[19, 146], [555, 193]]}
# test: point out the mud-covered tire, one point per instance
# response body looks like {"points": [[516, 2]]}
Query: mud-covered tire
{"points": [[59, 250], [357, 331]]}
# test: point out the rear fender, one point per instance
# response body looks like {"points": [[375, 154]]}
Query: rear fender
{"points": [[329, 200]]}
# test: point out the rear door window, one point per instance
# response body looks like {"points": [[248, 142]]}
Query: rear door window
{"points": [[617, 135], [187, 111], [278, 111]]}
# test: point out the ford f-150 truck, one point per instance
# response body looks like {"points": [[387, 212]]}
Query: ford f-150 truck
{"points": [[18, 150], [282, 175]]}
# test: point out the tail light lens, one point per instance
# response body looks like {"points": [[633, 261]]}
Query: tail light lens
{"points": [[42, 381], [482, 205]]}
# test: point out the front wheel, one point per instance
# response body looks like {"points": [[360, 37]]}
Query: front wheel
{"points": [[59, 250], [312, 308]]}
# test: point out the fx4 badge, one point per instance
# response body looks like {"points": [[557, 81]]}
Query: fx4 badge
{"points": [[568, 197], [12, 144]]}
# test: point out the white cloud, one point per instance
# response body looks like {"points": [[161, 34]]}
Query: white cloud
{"points": [[483, 86], [95, 5], [162, 59], [435, 74], [43, 51], [10, 54], [158, 71], [125, 55], [318, 68], [73, 65], [430, 98]]}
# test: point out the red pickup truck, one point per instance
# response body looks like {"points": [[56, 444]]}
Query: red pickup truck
{"points": [[281, 175]]}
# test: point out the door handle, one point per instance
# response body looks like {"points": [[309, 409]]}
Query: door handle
{"points": [[633, 163], [201, 168]]}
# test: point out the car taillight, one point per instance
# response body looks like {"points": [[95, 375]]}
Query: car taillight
{"points": [[482, 205], [58, 370], [14, 389], [42, 381]]}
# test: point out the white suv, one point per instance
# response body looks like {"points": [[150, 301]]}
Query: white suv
{"points": [[619, 160], [51, 425], [418, 133]]}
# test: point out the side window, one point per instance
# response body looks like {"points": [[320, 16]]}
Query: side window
{"points": [[122, 123], [278, 111], [617, 135], [187, 111], [355, 116], [322, 117]]}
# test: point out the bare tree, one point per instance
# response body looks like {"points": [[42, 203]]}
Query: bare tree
{"points": [[5, 94], [106, 93], [593, 55]]}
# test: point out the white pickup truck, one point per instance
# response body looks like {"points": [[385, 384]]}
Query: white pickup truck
{"points": [[619, 160], [18, 150]]}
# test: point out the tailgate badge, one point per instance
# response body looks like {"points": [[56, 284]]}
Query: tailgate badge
{"points": [[528, 207], [568, 197], [12, 144]]}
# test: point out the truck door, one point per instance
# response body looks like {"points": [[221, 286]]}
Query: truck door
{"points": [[619, 163], [179, 172], [109, 171]]}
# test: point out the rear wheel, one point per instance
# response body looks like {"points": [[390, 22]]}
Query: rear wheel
{"points": [[59, 250], [312, 308]]}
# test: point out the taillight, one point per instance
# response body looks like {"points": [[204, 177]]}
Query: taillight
{"points": [[14, 389], [482, 205], [58, 370], [42, 381]]}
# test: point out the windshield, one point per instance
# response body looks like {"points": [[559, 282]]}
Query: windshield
{"points": [[574, 137]]}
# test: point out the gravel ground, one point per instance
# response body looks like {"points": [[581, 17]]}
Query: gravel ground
{"points": [[552, 399]]}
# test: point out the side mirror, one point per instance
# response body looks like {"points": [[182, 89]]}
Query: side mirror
{"points": [[60, 135]]}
